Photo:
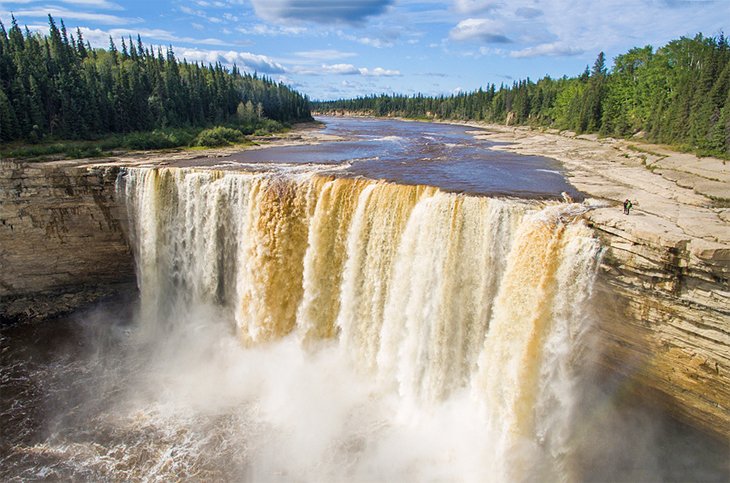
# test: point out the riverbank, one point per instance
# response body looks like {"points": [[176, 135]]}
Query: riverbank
{"points": [[675, 195], [236, 136], [301, 134]]}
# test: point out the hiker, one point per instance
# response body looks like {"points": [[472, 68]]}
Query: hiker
{"points": [[627, 206]]}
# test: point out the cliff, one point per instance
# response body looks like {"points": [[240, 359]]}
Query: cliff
{"points": [[663, 317], [663, 297], [61, 240]]}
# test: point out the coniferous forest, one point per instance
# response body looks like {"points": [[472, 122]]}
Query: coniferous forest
{"points": [[59, 87], [678, 94]]}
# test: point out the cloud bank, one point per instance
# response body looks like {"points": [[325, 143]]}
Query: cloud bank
{"points": [[246, 60]]}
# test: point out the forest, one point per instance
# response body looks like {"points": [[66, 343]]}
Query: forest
{"points": [[678, 94], [57, 86]]}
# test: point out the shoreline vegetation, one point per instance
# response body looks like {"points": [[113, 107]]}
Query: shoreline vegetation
{"points": [[61, 97], [676, 95], [248, 134]]}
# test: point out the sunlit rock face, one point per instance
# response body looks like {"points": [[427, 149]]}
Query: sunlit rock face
{"points": [[664, 313], [62, 244]]}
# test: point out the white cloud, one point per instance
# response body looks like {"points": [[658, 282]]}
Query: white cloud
{"points": [[383, 40], [346, 69], [550, 49], [491, 51], [201, 14], [480, 29], [245, 60], [339, 69], [325, 54], [378, 72], [263, 29], [99, 37], [102, 4], [377, 43], [474, 6], [558, 28], [65, 14]]}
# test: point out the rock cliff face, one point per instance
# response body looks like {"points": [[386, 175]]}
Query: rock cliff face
{"points": [[663, 311], [61, 239]]}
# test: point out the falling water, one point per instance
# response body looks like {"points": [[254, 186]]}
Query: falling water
{"points": [[448, 306]]}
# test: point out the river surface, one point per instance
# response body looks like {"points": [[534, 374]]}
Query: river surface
{"points": [[293, 327], [443, 155]]}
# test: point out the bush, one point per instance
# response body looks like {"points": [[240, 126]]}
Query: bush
{"points": [[65, 149], [267, 126], [218, 136], [78, 152], [158, 139]]}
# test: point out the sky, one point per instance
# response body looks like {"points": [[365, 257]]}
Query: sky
{"points": [[331, 49]]}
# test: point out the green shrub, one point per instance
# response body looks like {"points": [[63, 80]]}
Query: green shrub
{"points": [[218, 136], [76, 152], [158, 139]]}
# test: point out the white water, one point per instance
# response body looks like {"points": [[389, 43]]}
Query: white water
{"points": [[351, 330]]}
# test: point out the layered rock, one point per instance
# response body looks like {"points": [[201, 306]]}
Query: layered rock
{"points": [[663, 306], [663, 313], [62, 244]]}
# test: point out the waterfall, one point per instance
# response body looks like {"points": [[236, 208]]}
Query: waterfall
{"points": [[434, 296]]}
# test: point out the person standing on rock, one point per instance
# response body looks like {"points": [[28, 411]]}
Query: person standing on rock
{"points": [[627, 206]]}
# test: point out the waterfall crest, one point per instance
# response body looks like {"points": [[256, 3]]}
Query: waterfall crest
{"points": [[433, 295]]}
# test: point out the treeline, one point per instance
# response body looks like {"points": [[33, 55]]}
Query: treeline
{"points": [[58, 86], [678, 94]]}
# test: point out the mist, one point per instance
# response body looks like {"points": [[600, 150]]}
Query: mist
{"points": [[195, 403]]}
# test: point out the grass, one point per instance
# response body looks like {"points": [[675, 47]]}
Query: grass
{"points": [[703, 152], [639, 149], [178, 138]]}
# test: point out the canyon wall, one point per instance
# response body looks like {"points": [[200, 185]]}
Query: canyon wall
{"points": [[62, 244]]}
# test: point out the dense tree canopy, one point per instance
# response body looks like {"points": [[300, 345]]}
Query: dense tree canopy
{"points": [[58, 86], [678, 94]]}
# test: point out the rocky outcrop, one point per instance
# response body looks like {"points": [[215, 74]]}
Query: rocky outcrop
{"points": [[61, 239], [663, 313], [663, 306]]}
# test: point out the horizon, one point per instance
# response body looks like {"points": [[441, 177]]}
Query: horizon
{"points": [[330, 51]]}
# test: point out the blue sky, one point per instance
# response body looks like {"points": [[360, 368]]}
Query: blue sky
{"points": [[331, 49]]}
